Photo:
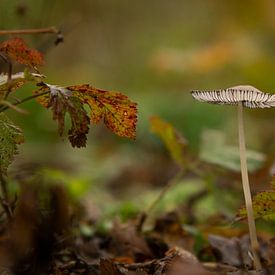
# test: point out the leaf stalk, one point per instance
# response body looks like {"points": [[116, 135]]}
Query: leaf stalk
{"points": [[4, 108]]}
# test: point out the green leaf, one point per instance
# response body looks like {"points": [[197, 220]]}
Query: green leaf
{"points": [[173, 140], [10, 137], [77, 187], [263, 206], [214, 150]]}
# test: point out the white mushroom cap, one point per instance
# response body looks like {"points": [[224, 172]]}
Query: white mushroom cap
{"points": [[250, 96]]}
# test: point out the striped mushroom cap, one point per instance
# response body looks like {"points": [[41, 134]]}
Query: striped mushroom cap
{"points": [[248, 95]]}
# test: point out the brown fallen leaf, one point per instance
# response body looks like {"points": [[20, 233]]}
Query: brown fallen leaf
{"points": [[236, 251], [108, 267], [184, 262], [166, 265], [169, 228], [232, 251], [127, 242], [181, 266]]}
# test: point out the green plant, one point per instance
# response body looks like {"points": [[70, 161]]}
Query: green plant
{"points": [[114, 109], [263, 205]]}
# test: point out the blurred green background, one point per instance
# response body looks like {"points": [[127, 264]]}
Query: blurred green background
{"points": [[155, 52]]}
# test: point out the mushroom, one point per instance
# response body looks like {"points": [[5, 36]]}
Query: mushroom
{"points": [[250, 97]]}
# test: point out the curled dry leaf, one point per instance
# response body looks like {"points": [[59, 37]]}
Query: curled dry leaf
{"points": [[17, 49], [117, 112], [61, 101]]}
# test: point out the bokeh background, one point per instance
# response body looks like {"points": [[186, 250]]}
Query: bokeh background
{"points": [[155, 52]]}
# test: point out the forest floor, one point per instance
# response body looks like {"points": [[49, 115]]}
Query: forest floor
{"points": [[54, 241]]}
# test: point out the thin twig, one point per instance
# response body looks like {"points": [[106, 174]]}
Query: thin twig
{"points": [[12, 106], [188, 166], [29, 31], [143, 217], [23, 100]]}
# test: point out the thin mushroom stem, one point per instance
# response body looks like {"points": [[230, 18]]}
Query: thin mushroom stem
{"points": [[246, 190]]}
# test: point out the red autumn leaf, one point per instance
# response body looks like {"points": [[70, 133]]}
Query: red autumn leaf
{"points": [[115, 109], [118, 113], [17, 49]]}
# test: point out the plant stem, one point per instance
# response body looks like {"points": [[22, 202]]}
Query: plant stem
{"points": [[188, 166], [29, 31], [23, 100], [246, 189], [144, 215]]}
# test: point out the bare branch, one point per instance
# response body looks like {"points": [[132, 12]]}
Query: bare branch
{"points": [[30, 31]]}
